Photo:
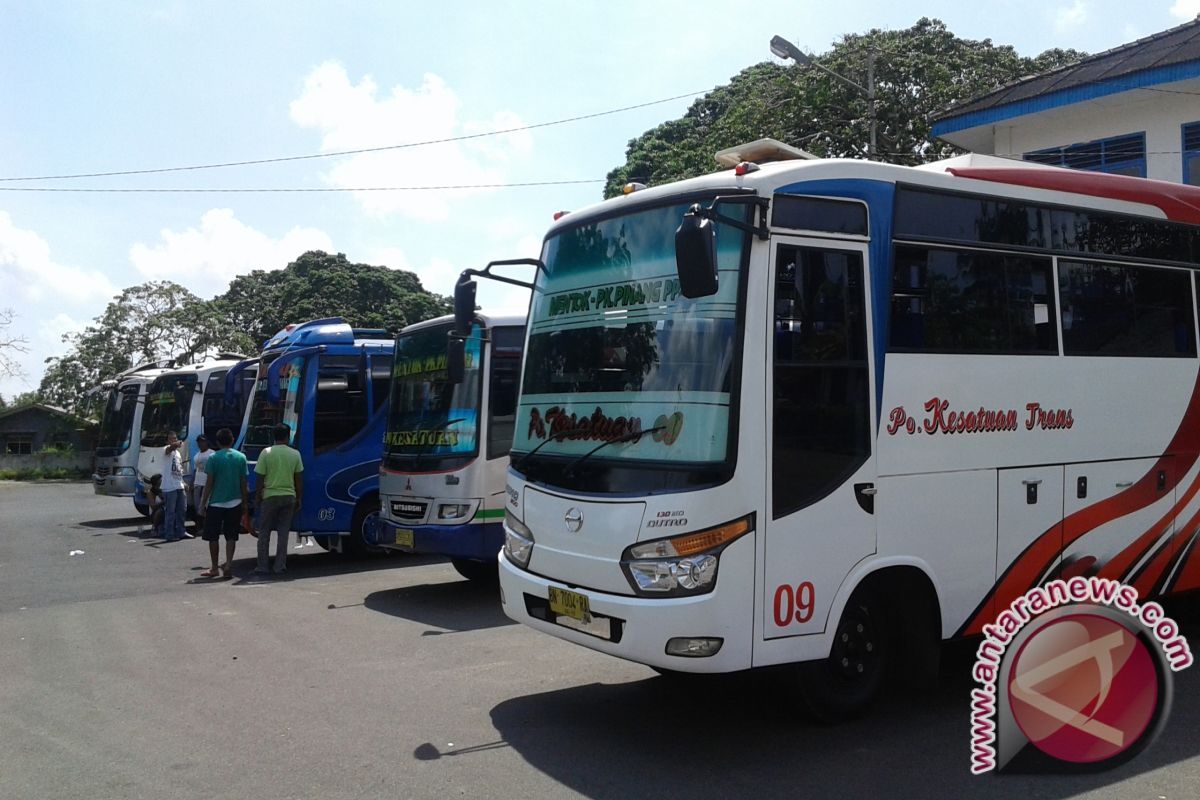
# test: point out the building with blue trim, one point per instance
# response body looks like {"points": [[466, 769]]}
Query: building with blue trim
{"points": [[1132, 110]]}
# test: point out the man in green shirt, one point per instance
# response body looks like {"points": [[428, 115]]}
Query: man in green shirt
{"points": [[277, 496], [224, 498]]}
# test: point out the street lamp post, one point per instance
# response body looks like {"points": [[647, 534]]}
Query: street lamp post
{"points": [[782, 48]]}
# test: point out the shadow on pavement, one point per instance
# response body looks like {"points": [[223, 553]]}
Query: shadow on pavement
{"points": [[737, 736], [129, 523], [454, 606], [304, 565]]}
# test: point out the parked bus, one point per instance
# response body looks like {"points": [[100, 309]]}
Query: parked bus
{"points": [[445, 453], [116, 455], [827, 413], [330, 383], [190, 400]]}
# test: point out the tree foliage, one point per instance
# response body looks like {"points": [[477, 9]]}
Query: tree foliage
{"points": [[163, 320], [318, 285], [919, 72], [149, 322]]}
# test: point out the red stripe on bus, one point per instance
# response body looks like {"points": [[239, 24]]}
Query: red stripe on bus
{"points": [[1035, 560], [1179, 202]]}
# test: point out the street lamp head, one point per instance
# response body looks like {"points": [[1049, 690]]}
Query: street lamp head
{"points": [[782, 48]]}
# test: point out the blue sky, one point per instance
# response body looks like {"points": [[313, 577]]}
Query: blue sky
{"points": [[109, 86]]}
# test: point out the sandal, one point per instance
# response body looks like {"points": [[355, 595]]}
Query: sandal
{"points": [[209, 573], [226, 570]]}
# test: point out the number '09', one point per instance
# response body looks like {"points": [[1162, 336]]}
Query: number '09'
{"points": [[794, 604]]}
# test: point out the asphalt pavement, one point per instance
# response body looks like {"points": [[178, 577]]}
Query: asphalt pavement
{"points": [[123, 674]]}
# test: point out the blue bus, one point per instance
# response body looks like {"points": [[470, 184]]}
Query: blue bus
{"points": [[330, 383], [445, 454]]}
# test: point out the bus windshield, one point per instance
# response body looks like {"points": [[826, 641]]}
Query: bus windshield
{"points": [[265, 414], [432, 424], [615, 349], [168, 404], [116, 427]]}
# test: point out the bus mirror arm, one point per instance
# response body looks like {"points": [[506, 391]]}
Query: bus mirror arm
{"points": [[695, 242]]}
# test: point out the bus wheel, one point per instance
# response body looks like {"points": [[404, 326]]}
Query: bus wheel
{"points": [[843, 685], [142, 508], [478, 571], [362, 529]]}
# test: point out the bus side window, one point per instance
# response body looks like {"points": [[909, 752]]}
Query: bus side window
{"points": [[821, 417], [502, 391], [381, 380], [216, 415], [341, 405]]}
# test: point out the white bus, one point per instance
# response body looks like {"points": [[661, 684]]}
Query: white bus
{"points": [[445, 452], [829, 412], [191, 401], [114, 468]]}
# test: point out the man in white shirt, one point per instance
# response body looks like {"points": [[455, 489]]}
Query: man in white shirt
{"points": [[199, 479], [174, 500]]}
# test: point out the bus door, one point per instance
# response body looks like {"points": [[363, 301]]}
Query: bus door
{"points": [[333, 461], [821, 490]]}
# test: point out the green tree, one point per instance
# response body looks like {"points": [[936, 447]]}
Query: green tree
{"points": [[318, 285], [919, 72], [149, 322]]}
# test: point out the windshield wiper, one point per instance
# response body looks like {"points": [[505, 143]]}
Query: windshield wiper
{"points": [[553, 437], [628, 437]]}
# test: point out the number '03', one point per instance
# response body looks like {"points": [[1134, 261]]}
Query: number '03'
{"points": [[794, 603]]}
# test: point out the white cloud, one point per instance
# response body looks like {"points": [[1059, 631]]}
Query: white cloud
{"points": [[29, 274], [357, 116], [1068, 18], [1185, 9], [206, 258]]}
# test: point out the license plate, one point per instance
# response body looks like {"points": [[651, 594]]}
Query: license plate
{"points": [[569, 604], [404, 537]]}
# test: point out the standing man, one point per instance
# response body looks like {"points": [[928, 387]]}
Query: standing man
{"points": [[174, 502], [223, 501], [277, 496], [198, 480]]}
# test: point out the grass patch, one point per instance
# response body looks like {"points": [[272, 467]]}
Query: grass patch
{"points": [[38, 474]]}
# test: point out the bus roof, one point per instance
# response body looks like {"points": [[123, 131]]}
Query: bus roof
{"points": [[203, 367], [490, 319], [970, 173], [333, 330]]}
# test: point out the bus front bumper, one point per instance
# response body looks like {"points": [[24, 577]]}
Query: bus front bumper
{"points": [[479, 541], [635, 628], [114, 485]]}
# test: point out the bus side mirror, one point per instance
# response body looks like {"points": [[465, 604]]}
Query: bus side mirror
{"points": [[456, 358], [695, 255], [464, 306]]}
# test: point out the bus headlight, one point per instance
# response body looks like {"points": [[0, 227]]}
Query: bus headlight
{"points": [[681, 565], [453, 510], [124, 472], [518, 540]]}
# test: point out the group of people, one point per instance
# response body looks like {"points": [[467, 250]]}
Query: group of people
{"points": [[220, 497]]}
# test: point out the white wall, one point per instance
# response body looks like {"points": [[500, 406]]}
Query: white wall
{"points": [[1159, 113]]}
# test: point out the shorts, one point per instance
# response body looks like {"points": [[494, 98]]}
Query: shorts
{"points": [[225, 522]]}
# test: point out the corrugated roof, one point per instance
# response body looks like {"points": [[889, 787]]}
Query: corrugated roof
{"points": [[1175, 46]]}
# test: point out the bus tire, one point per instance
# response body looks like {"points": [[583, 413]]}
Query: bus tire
{"points": [[846, 683], [366, 515], [477, 571], [142, 508]]}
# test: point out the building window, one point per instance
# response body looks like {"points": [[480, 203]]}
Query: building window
{"points": [[18, 444], [1120, 155], [1191, 154]]}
